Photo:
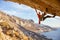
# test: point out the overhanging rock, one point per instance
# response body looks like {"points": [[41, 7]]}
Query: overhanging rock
{"points": [[52, 6]]}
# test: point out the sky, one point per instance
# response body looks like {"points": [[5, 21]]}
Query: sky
{"points": [[26, 12]]}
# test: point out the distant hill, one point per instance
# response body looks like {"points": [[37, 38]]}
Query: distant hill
{"points": [[14, 28]]}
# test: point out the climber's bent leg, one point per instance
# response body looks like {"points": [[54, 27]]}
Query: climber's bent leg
{"points": [[47, 17]]}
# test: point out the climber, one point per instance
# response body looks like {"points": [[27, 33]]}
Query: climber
{"points": [[39, 16], [43, 17]]}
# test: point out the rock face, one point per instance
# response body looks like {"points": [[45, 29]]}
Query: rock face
{"points": [[30, 25], [12, 28], [49, 6]]}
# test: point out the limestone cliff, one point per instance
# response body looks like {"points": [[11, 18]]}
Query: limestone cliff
{"points": [[49, 6]]}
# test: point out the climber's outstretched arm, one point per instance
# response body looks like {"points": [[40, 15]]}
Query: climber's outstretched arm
{"points": [[36, 10]]}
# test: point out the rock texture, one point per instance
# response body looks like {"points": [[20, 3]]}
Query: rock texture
{"points": [[49, 6], [12, 28], [30, 25]]}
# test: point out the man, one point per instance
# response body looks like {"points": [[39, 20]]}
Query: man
{"points": [[42, 18]]}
